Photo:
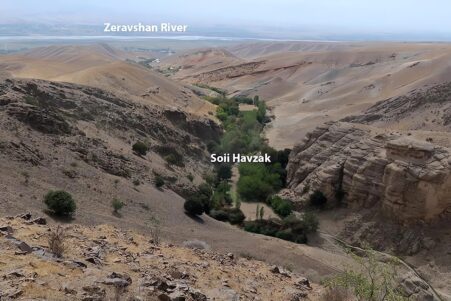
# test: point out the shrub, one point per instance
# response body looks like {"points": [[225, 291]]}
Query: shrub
{"points": [[117, 205], [372, 281], [232, 215], [140, 148], [190, 177], [337, 294], [318, 199], [310, 222], [235, 216], [224, 172], [56, 241], [154, 225], [174, 159], [219, 215], [289, 229], [194, 207], [281, 206], [221, 195], [286, 234], [159, 181], [60, 202]]}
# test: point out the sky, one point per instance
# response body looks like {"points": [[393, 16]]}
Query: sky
{"points": [[332, 16]]}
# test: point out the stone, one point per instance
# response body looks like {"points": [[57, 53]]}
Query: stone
{"points": [[15, 274], [303, 283], [39, 221], [6, 229], [408, 178], [68, 290], [14, 294], [118, 280], [24, 247], [26, 216]]}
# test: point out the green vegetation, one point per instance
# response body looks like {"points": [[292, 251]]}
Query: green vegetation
{"points": [[376, 281], [310, 221], [318, 200], [286, 230], [224, 171], [199, 201], [170, 154], [256, 182], [190, 177], [60, 202], [281, 206], [158, 181], [193, 206], [140, 148], [232, 215], [117, 205], [290, 228]]}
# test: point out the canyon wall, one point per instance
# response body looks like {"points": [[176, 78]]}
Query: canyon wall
{"points": [[408, 179]]}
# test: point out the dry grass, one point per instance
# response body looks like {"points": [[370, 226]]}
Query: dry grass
{"points": [[337, 294], [56, 241]]}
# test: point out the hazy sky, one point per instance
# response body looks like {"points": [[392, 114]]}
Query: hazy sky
{"points": [[381, 16]]}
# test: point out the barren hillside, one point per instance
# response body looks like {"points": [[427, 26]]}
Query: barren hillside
{"points": [[78, 138], [106, 263], [103, 67], [309, 86]]}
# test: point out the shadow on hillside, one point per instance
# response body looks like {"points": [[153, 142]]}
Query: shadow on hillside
{"points": [[66, 219], [117, 214], [195, 218]]}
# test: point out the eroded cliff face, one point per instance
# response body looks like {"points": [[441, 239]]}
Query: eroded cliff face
{"points": [[408, 179]]}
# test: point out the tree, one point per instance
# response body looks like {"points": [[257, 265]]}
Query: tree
{"points": [[262, 212], [310, 222], [224, 172], [60, 202], [140, 148], [256, 182], [117, 205], [193, 207], [318, 199], [281, 206]]}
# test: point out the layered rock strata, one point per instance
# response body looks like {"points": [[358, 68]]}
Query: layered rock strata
{"points": [[409, 179]]}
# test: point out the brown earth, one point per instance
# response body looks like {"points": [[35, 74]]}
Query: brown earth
{"points": [[107, 263], [104, 67], [307, 85], [78, 138]]}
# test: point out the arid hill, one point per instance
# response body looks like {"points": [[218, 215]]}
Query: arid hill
{"points": [[79, 139], [202, 60], [107, 263], [104, 67], [309, 86]]}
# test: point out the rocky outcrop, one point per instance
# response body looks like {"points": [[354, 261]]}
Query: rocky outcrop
{"points": [[131, 267], [427, 108], [408, 179]]}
